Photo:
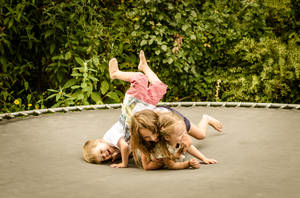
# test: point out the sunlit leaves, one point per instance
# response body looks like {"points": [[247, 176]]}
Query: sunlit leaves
{"points": [[59, 51], [104, 87]]}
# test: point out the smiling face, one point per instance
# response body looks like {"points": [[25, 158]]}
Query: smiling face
{"points": [[103, 151], [148, 136]]}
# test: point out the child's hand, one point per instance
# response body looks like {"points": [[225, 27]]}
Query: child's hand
{"points": [[194, 163], [120, 165], [209, 161]]}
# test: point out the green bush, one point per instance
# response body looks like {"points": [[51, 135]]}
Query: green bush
{"points": [[268, 67], [55, 53]]}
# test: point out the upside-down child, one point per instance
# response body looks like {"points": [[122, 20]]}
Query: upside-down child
{"points": [[139, 96]]}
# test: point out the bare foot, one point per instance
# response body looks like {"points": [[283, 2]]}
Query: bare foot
{"points": [[216, 124], [143, 62], [113, 68]]}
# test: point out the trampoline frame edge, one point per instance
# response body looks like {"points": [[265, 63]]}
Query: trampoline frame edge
{"points": [[37, 112]]}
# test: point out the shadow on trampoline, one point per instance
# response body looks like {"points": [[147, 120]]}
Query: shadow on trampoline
{"points": [[258, 155]]}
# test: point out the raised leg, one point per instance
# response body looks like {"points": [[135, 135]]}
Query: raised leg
{"points": [[143, 66], [115, 73], [199, 132]]}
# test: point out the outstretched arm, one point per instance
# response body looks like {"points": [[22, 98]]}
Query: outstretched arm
{"points": [[196, 153], [148, 164], [171, 164], [124, 147]]}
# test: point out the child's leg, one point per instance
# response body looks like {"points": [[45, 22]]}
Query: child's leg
{"points": [[143, 66], [199, 131], [157, 89], [115, 73]]}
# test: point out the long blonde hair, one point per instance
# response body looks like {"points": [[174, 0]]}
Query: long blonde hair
{"points": [[162, 123], [167, 122], [145, 119]]}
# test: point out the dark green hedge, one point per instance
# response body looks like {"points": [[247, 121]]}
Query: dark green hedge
{"points": [[55, 53]]}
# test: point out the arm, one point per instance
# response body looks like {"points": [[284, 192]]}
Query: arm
{"points": [[150, 165], [124, 147], [176, 165], [196, 153], [186, 144], [181, 165]]}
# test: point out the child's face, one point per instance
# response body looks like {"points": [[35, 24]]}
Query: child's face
{"points": [[177, 136], [104, 151], [148, 136]]}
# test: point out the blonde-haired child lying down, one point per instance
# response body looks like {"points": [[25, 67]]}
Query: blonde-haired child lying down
{"points": [[170, 140], [139, 96]]}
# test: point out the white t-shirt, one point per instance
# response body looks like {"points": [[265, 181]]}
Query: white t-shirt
{"points": [[113, 135], [120, 129]]}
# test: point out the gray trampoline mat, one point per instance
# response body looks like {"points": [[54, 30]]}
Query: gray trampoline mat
{"points": [[258, 154]]}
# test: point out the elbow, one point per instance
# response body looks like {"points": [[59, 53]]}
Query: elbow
{"points": [[152, 166], [147, 168]]}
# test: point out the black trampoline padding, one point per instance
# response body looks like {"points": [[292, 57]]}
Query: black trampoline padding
{"points": [[258, 153]]}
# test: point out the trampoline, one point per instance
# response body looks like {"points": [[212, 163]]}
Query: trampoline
{"points": [[258, 155]]}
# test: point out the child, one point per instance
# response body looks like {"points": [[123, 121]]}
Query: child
{"points": [[139, 96], [173, 139]]}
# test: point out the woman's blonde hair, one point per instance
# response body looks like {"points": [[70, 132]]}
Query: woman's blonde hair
{"points": [[145, 119]]}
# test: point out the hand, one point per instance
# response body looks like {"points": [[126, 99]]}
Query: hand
{"points": [[194, 163], [209, 161], [120, 165]]}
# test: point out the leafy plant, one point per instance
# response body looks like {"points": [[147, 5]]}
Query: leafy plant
{"points": [[204, 50], [269, 67]]}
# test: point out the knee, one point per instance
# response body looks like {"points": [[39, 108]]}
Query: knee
{"points": [[205, 117], [200, 136], [140, 76]]}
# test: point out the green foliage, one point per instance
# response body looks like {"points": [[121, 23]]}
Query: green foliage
{"points": [[40, 45], [283, 16], [55, 53], [268, 67], [83, 88]]}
